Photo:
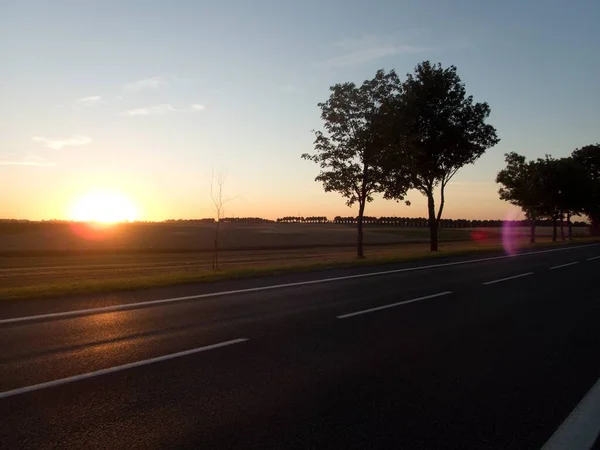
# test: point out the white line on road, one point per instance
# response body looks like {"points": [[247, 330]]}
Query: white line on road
{"points": [[564, 265], [507, 278], [392, 305], [591, 259], [580, 429], [98, 373], [123, 307]]}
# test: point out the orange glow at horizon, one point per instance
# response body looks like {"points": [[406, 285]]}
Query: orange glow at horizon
{"points": [[104, 207]]}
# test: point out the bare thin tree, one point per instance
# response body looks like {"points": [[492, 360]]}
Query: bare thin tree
{"points": [[219, 201]]}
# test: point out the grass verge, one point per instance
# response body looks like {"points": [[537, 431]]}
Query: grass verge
{"points": [[90, 285]]}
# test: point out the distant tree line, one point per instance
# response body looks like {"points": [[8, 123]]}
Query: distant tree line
{"points": [[554, 190], [245, 220], [296, 219], [422, 222], [240, 220], [191, 221]]}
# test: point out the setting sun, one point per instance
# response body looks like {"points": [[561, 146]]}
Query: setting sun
{"points": [[106, 207]]}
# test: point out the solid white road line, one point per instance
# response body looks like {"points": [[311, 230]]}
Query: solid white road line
{"points": [[106, 309], [98, 373], [392, 305], [507, 278], [564, 265], [580, 429], [591, 259]]}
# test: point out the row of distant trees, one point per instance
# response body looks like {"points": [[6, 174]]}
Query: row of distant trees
{"points": [[421, 222], [554, 189], [389, 136], [413, 222], [297, 219], [445, 223]]}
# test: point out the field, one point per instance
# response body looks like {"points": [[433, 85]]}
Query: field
{"points": [[45, 259]]}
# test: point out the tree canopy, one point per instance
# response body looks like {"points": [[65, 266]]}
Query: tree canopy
{"points": [[437, 130], [554, 188], [349, 149], [589, 159]]}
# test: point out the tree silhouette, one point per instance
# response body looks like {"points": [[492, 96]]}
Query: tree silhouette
{"points": [[438, 129], [521, 186], [219, 201], [589, 158], [349, 150]]}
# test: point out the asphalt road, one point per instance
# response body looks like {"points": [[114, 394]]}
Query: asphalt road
{"points": [[488, 354]]}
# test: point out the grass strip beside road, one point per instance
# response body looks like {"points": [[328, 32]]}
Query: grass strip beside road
{"points": [[88, 285]]}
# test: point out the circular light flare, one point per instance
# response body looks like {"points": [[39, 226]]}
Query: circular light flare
{"points": [[104, 207], [510, 234]]}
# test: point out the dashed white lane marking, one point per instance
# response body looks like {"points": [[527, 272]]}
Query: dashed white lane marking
{"points": [[591, 259], [97, 373], [564, 265], [392, 305], [127, 306], [581, 427], [507, 278]]}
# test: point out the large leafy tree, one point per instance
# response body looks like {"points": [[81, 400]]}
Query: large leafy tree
{"points": [[349, 149], [572, 184], [589, 158], [438, 129], [520, 185], [564, 184], [549, 169]]}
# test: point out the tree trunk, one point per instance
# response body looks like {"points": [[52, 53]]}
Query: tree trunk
{"points": [[360, 253], [532, 231], [215, 263], [562, 227], [570, 225], [433, 224], [554, 234]]}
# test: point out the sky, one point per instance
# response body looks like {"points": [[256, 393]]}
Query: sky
{"points": [[146, 98]]}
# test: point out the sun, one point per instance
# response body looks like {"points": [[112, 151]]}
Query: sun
{"points": [[105, 207]]}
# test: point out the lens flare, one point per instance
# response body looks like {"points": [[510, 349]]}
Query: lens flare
{"points": [[510, 233]]}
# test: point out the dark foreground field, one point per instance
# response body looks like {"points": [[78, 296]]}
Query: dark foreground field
{"points": [[57, 258]]}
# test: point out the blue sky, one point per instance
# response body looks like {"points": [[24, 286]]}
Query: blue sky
{"points": [[147, 97]]}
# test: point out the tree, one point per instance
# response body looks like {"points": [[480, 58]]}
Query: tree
{"points": [[589, 159], [349, 150], [573, 185], [521, 186], [438, 129], [219, 201], [549, 172]]}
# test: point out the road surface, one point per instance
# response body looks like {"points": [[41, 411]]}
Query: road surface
{"points": [[487, 352]]}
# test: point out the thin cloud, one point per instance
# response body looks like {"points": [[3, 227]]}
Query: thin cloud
{"points": [[368, 48], [145, 84], [30, 160], [162, 109], [56, 144], [91, 100]]}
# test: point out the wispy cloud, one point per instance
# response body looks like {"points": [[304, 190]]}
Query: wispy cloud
{"points": [[91, 100], [145, 84], [150, 110], [56, 144], [29, 160], [163, 109], [368, 48]]}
